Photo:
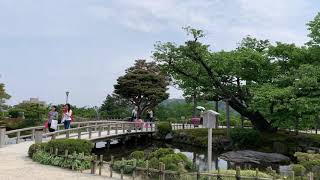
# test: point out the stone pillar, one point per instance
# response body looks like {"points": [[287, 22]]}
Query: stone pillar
{"points": [[38, 135], [2, 136]]}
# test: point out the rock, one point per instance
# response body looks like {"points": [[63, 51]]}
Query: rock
{"points": [[248, 156], [314, 149], [168, 137]]}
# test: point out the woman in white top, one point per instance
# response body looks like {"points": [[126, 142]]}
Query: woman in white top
{"points": [[67, 116]]}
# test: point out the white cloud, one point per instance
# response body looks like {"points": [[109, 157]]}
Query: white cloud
{"points": [[220, 18]]}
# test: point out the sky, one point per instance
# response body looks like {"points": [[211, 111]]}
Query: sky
{"points": [[48, 47]]}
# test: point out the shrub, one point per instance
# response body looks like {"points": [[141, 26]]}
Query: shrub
{"points": [[245, 137], [137, 155], [15, 112], [35, 147], [164, 128], [173, 162], [298, 169], [308, 161], [246, 173], [161, 152], [127, 165], [73, 161], [72, 145]]}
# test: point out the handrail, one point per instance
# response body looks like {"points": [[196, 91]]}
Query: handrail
{"points": [[93, 126], [60, 125]]}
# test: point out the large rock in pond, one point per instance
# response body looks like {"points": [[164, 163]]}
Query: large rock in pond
{"points": [[248, 156]]}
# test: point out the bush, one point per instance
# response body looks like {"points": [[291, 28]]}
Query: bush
{"points": [[127, 165], [298, 169], [245, 137], [137, 155], [246, 173], [161, 152], [35, 147], [73, 161], [72, 145], [16, 113], [164, 128], [308, 161]]}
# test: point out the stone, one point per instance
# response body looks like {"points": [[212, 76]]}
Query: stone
{"points": [[168, 137], [248, 156]]}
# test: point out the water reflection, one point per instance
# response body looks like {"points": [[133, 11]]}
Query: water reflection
{"points": [[197, 155]]}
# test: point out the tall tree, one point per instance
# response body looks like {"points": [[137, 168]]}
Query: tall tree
{"points": [[3, 97], [217, 74], [144, 85], [114, 106]]}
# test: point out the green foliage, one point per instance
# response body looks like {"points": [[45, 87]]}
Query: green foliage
{"points": [[173, 161], [33, 111], [127, 165], [245, 173], [3, 97], [16, 112], [298, 169], [19, 123], [115, 106], [199, 137], [72, 145], [143, 85], [272, 85], [78, 162], [161, 152], [36, 147], [139, 155], [245, 137], [164, 128], [314, 28], [308, 161]]}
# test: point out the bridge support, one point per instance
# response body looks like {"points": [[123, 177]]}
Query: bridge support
{"points": [[2, 136], [38, 135], [108, 145]]}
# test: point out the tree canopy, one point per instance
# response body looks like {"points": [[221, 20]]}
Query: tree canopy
{"points": [[144, 85], [114, 106], [272, 85]]}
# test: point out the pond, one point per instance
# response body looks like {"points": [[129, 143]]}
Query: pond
{"points": [[195, 154]]}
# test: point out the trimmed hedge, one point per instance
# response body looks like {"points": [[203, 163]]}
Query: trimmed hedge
{"points": [[35, 147], [72, 145]]}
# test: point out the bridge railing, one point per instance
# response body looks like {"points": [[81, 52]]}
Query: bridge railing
{"points": [[24, 133], [79, 129], [112, 128]]}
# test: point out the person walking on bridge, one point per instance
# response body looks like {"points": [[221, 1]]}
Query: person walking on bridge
{"points": [[67, 116], [53, 119]]}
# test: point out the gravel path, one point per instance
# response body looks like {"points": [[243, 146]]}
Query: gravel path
{"points": [[16, 165]]}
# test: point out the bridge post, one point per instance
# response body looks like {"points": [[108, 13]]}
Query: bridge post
{"points": [[32, 135], [109, 128], [116, 128], [79, 133], [2, 136], [100, 130], [67, 134], [38, 135], [123, 127], [90, 132]]}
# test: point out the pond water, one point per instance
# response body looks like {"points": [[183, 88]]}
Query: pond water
{"points": [[195, 154]]}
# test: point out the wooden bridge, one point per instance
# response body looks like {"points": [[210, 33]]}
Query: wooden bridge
{"points": [[94, 131], [15, 144]]}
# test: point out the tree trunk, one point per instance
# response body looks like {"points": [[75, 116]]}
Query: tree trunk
{"points": [[194, 113], [256, 118]]}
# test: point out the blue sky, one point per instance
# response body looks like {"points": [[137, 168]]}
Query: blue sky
{"points": [[50, 46]]}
